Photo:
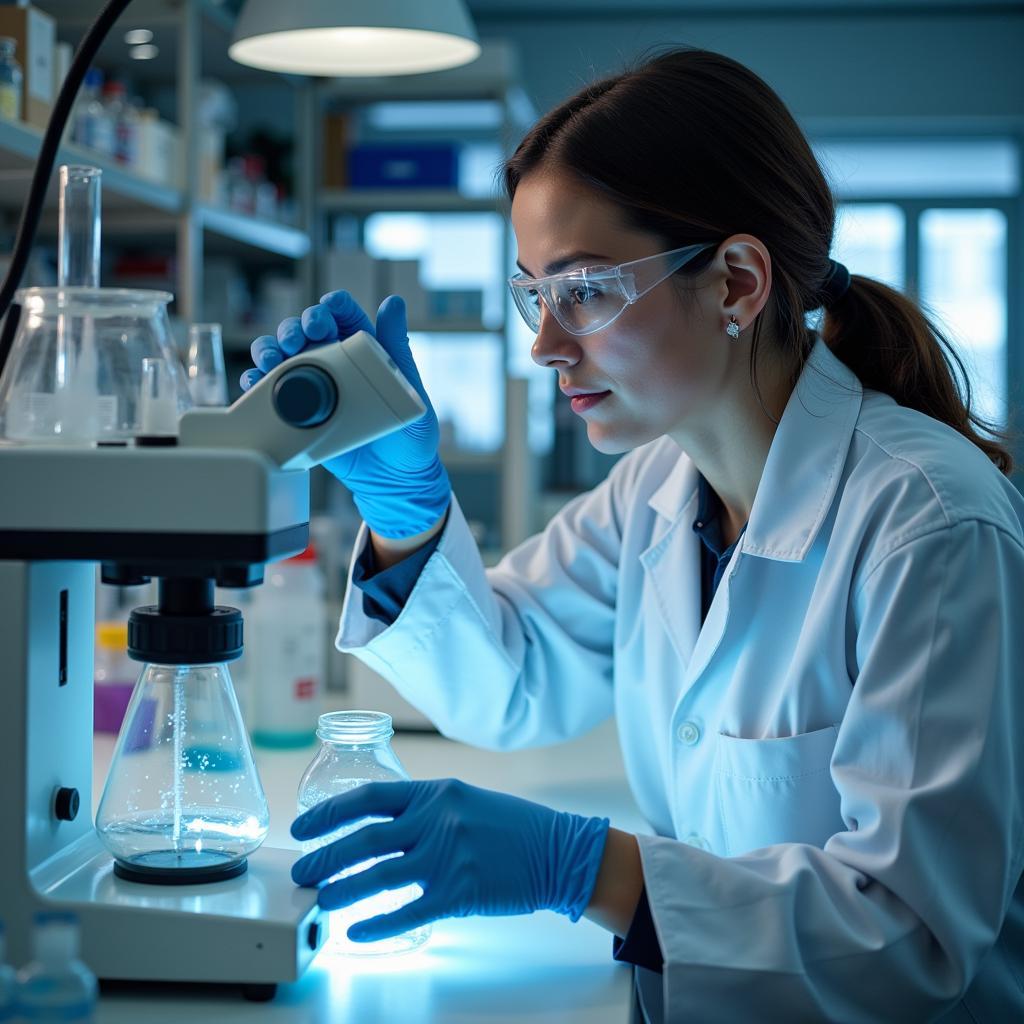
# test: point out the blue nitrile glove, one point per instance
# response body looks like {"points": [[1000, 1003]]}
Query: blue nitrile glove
{"points": [[397, 481], [473, 851]]}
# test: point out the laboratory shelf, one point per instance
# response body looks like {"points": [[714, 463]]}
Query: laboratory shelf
{"points": [[122, 190], [255, 232], [394, 200], [454, 327]]}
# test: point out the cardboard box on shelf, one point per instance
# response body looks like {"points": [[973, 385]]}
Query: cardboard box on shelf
{"points": [[158, 149], [334, 141], [402, 277], [456, 305], [404, 165], [34, 33], [357, 272]]}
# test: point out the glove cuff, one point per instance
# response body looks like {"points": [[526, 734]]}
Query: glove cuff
{"points": [[577, 846], [411, 504]]}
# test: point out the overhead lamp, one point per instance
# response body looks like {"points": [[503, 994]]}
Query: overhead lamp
{"points": [[354, 38]]}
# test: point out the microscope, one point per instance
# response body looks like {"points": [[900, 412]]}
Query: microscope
{"points": [[208, 505]]}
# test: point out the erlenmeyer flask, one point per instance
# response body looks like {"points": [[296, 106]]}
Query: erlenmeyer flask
{"points": [[183, 802]]}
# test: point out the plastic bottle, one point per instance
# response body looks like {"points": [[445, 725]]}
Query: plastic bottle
{"points": [[285, 638], [125, 122], [56, 985], [93, 127], [241, 194], [8, 982], [355, 749], [128, 132], [114, 674], [11, 80]]}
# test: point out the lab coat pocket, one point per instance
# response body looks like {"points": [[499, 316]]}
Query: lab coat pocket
{"points": [[777, 790]]}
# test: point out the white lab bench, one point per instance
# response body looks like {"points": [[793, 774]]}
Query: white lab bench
{"points": [[479, 970]]}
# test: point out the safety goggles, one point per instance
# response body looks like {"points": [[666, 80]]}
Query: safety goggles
{"points": [[591, 298]]}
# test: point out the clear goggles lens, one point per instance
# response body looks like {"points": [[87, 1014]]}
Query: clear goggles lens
{"points": [[586, 300]]}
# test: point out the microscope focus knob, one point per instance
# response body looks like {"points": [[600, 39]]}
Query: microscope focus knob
{"points": [[305, 396], [66, 803]]}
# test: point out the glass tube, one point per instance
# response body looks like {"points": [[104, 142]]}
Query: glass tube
{"points": [[207, 379], [78, 242]]}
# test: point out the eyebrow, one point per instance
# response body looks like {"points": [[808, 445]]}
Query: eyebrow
{"points": [[557, 266]]}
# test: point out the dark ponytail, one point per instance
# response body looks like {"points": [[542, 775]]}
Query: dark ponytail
{"points": [[893, 347], [692, 146]]}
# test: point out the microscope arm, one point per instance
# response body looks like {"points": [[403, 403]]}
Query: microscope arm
{"points": [[312, 407]]}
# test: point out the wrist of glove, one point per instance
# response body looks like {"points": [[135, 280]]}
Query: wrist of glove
{"points": [[473, 851], [407, 504]]}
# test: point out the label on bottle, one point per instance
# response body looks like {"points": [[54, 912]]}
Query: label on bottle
{"points": [[39, 62], [288, 669], [10, 101]]}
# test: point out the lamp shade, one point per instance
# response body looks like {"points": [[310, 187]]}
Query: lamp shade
{"points": [[354, 38]]}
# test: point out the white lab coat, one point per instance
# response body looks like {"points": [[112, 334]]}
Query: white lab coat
{"points": [[833, 763]]}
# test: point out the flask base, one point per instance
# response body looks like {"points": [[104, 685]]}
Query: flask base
{"points": [[169, 867]]}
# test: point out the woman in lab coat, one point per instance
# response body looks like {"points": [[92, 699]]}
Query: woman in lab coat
{"points": [[800, 592]]}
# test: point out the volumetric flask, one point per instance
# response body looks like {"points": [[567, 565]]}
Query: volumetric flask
{"points": [[183, 802], [355, 748], [77, 373]]}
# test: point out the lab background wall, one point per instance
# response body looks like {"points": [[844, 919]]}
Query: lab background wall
{"points": [[937, 62]]}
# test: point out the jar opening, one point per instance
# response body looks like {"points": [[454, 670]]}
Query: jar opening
{"points": [[354, 727]]}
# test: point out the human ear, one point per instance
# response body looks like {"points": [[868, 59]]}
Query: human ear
{"points": [[746, 281]]}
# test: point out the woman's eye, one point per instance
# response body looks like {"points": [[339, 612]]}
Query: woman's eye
{"points": [[534, 296], [581, 293]]}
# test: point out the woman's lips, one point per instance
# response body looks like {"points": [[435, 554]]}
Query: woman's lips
{"points": [[581, 403]]}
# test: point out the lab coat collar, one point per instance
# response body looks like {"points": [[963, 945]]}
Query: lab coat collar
{"points": [[804, 463]]}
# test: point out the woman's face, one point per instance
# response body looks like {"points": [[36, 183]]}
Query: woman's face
{"points": [[662, 362]]}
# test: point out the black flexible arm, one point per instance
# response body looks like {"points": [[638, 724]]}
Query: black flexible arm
{"points": [[33, 207]]}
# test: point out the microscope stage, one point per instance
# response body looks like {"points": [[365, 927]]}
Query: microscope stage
{"points": [[258, 928]]}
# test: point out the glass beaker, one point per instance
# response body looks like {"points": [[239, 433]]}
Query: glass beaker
{"points": [[355, 748], [76, 372], [207, 378], [183, 801]]}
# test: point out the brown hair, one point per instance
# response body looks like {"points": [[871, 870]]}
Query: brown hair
{"points": [[693, 146]]}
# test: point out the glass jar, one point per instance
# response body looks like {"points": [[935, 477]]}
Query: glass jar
{"points": [[11, 79], [355, 749], [183, 800]]}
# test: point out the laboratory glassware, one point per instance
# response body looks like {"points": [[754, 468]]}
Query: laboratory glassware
{"points": [[89, 364], [183, 800], [78, 371], [287, 652], [56, 985], [355, 749], [78, 227], [11, 80], [207, 378]]}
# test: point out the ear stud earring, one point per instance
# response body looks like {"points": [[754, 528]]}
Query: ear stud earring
{"points": [[732, 328]]}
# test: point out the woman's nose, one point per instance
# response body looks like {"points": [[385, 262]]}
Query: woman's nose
{"points": [[554, 346]]}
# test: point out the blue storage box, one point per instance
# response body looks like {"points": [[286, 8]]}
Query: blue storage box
{"points": [[406, 165]]}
